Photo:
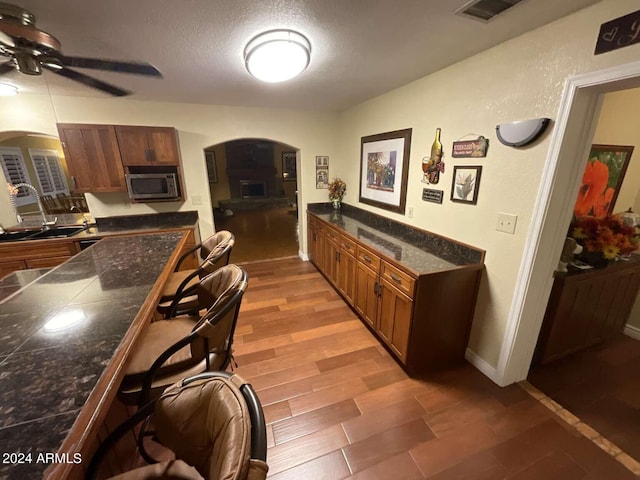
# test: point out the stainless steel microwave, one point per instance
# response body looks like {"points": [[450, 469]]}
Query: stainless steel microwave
{"points": [[152, 186]]}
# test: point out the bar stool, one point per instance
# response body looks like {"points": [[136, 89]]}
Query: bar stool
{"points": [[215, 251], [185, 345], [212, 422]]}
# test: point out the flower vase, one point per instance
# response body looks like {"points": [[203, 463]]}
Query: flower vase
{"points": [[595, 259], [336, 204]]}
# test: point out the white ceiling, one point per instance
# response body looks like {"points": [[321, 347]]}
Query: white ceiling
{"points": [[360, 48]]}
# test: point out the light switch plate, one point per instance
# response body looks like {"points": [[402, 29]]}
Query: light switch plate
{"points": [[507, 223]]}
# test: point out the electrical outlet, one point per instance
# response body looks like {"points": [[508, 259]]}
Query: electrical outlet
{"points": [[127, 204], [410, 212], [196, 199], [506, 223]]}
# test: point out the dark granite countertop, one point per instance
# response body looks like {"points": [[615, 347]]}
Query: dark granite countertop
{"points": [[418, 250], [118, 225], [18, 280], [47, 372]]}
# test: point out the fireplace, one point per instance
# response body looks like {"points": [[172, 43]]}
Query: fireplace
{"points": [[253, 189]]}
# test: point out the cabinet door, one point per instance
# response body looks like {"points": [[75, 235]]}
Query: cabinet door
{"points": [[92, 157], [330, 256], [346, 274], [313, 243], [366, 293], [9, 267], [148, 146], [394, 318], [164, 143]]}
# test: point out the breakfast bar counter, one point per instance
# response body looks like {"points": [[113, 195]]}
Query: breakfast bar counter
{"points": [[65, 337]]}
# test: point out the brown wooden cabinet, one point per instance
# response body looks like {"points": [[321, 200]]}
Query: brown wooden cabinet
{"points": [[35, 254], [586, 308], [423, 318], [148, 146], [93, 158]]}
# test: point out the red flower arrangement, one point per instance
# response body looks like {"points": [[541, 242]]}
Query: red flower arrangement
{"points": [[609, 236]]}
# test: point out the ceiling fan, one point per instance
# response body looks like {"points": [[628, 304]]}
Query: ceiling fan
{"points": [[29, 50]]}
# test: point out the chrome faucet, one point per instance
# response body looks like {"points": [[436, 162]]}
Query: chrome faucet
{"points": [[45, 224]]}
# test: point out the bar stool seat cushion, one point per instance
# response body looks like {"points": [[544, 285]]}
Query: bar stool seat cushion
{"points": [[159, 336], [173, 469]]}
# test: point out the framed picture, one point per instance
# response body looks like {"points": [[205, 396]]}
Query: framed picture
{"points": [[466, 182], [289, 166], [322, 172], [602, 179], [212, 171], [384, 169]]}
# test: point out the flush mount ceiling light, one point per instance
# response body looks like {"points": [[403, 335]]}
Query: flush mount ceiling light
{"points": [[8, 90], [277, 55]]}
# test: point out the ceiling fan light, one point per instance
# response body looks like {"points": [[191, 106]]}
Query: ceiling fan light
{"points": [[277, 55], [8, 90]]}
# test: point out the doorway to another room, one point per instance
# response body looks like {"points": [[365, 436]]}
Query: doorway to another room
{"points": [[253, 186]]}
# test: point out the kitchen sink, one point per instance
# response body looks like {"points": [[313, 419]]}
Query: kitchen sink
{"points": [[15, 236], [56, 232]]}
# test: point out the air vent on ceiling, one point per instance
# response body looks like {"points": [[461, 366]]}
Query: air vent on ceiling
{"points": [[485, 10]]}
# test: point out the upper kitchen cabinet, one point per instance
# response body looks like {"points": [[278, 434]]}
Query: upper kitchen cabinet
{"points": [[93, 158], [148, 146]]}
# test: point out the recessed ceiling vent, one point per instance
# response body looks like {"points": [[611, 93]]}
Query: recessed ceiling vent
{"points": [[486, 10]]}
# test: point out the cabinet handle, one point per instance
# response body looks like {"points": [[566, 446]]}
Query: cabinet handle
{"points": [[75, 182], [375, 288], [337, 256], [148, 155], [395, 278], [366, 258]]}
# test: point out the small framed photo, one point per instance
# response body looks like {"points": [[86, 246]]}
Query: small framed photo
{"points": [[322, 172], [289, 166], [466, 182], [212, 171]]}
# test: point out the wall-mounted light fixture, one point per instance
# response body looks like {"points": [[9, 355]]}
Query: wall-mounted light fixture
{"points": [[277, 55], [519, 134], [8, 90]]}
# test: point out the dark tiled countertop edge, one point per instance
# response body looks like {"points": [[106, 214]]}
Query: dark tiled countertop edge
{"points": [[434, 244]]}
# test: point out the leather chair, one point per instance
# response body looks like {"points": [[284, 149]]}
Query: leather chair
{"points": [[186, 345], [215, 251], [214, 425]]}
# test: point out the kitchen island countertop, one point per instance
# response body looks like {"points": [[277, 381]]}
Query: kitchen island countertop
{"points": [[64, 338]]}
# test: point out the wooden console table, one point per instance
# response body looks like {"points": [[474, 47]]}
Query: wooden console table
{"points": [[586, 308]]}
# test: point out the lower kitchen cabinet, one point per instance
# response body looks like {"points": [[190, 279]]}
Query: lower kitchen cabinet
{"points": [[422, 317]]}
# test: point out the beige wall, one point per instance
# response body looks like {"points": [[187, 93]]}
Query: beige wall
{"points": [[519, 79], [199, 126]]}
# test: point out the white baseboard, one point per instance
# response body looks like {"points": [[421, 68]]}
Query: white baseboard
{"points": [[631, 331], [482, 365], [303, 256]]}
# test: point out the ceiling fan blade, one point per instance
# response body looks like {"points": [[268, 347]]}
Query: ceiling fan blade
{"points": [[6, 67], [87, 80], [138, 68]]}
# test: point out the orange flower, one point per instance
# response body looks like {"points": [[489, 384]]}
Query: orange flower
{"points": [[594, 181], [602, 203]]}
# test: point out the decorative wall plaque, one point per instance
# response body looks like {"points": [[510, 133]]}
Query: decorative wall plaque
{"points": [[470, 148], [618, 33], [430, 195]]}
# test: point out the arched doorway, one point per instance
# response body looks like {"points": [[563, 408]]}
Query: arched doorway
{"points": [[253, 187]]}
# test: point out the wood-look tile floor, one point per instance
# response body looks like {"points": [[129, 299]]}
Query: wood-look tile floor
{"points": [[264, 233], [339, 407], [601, 386]]}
